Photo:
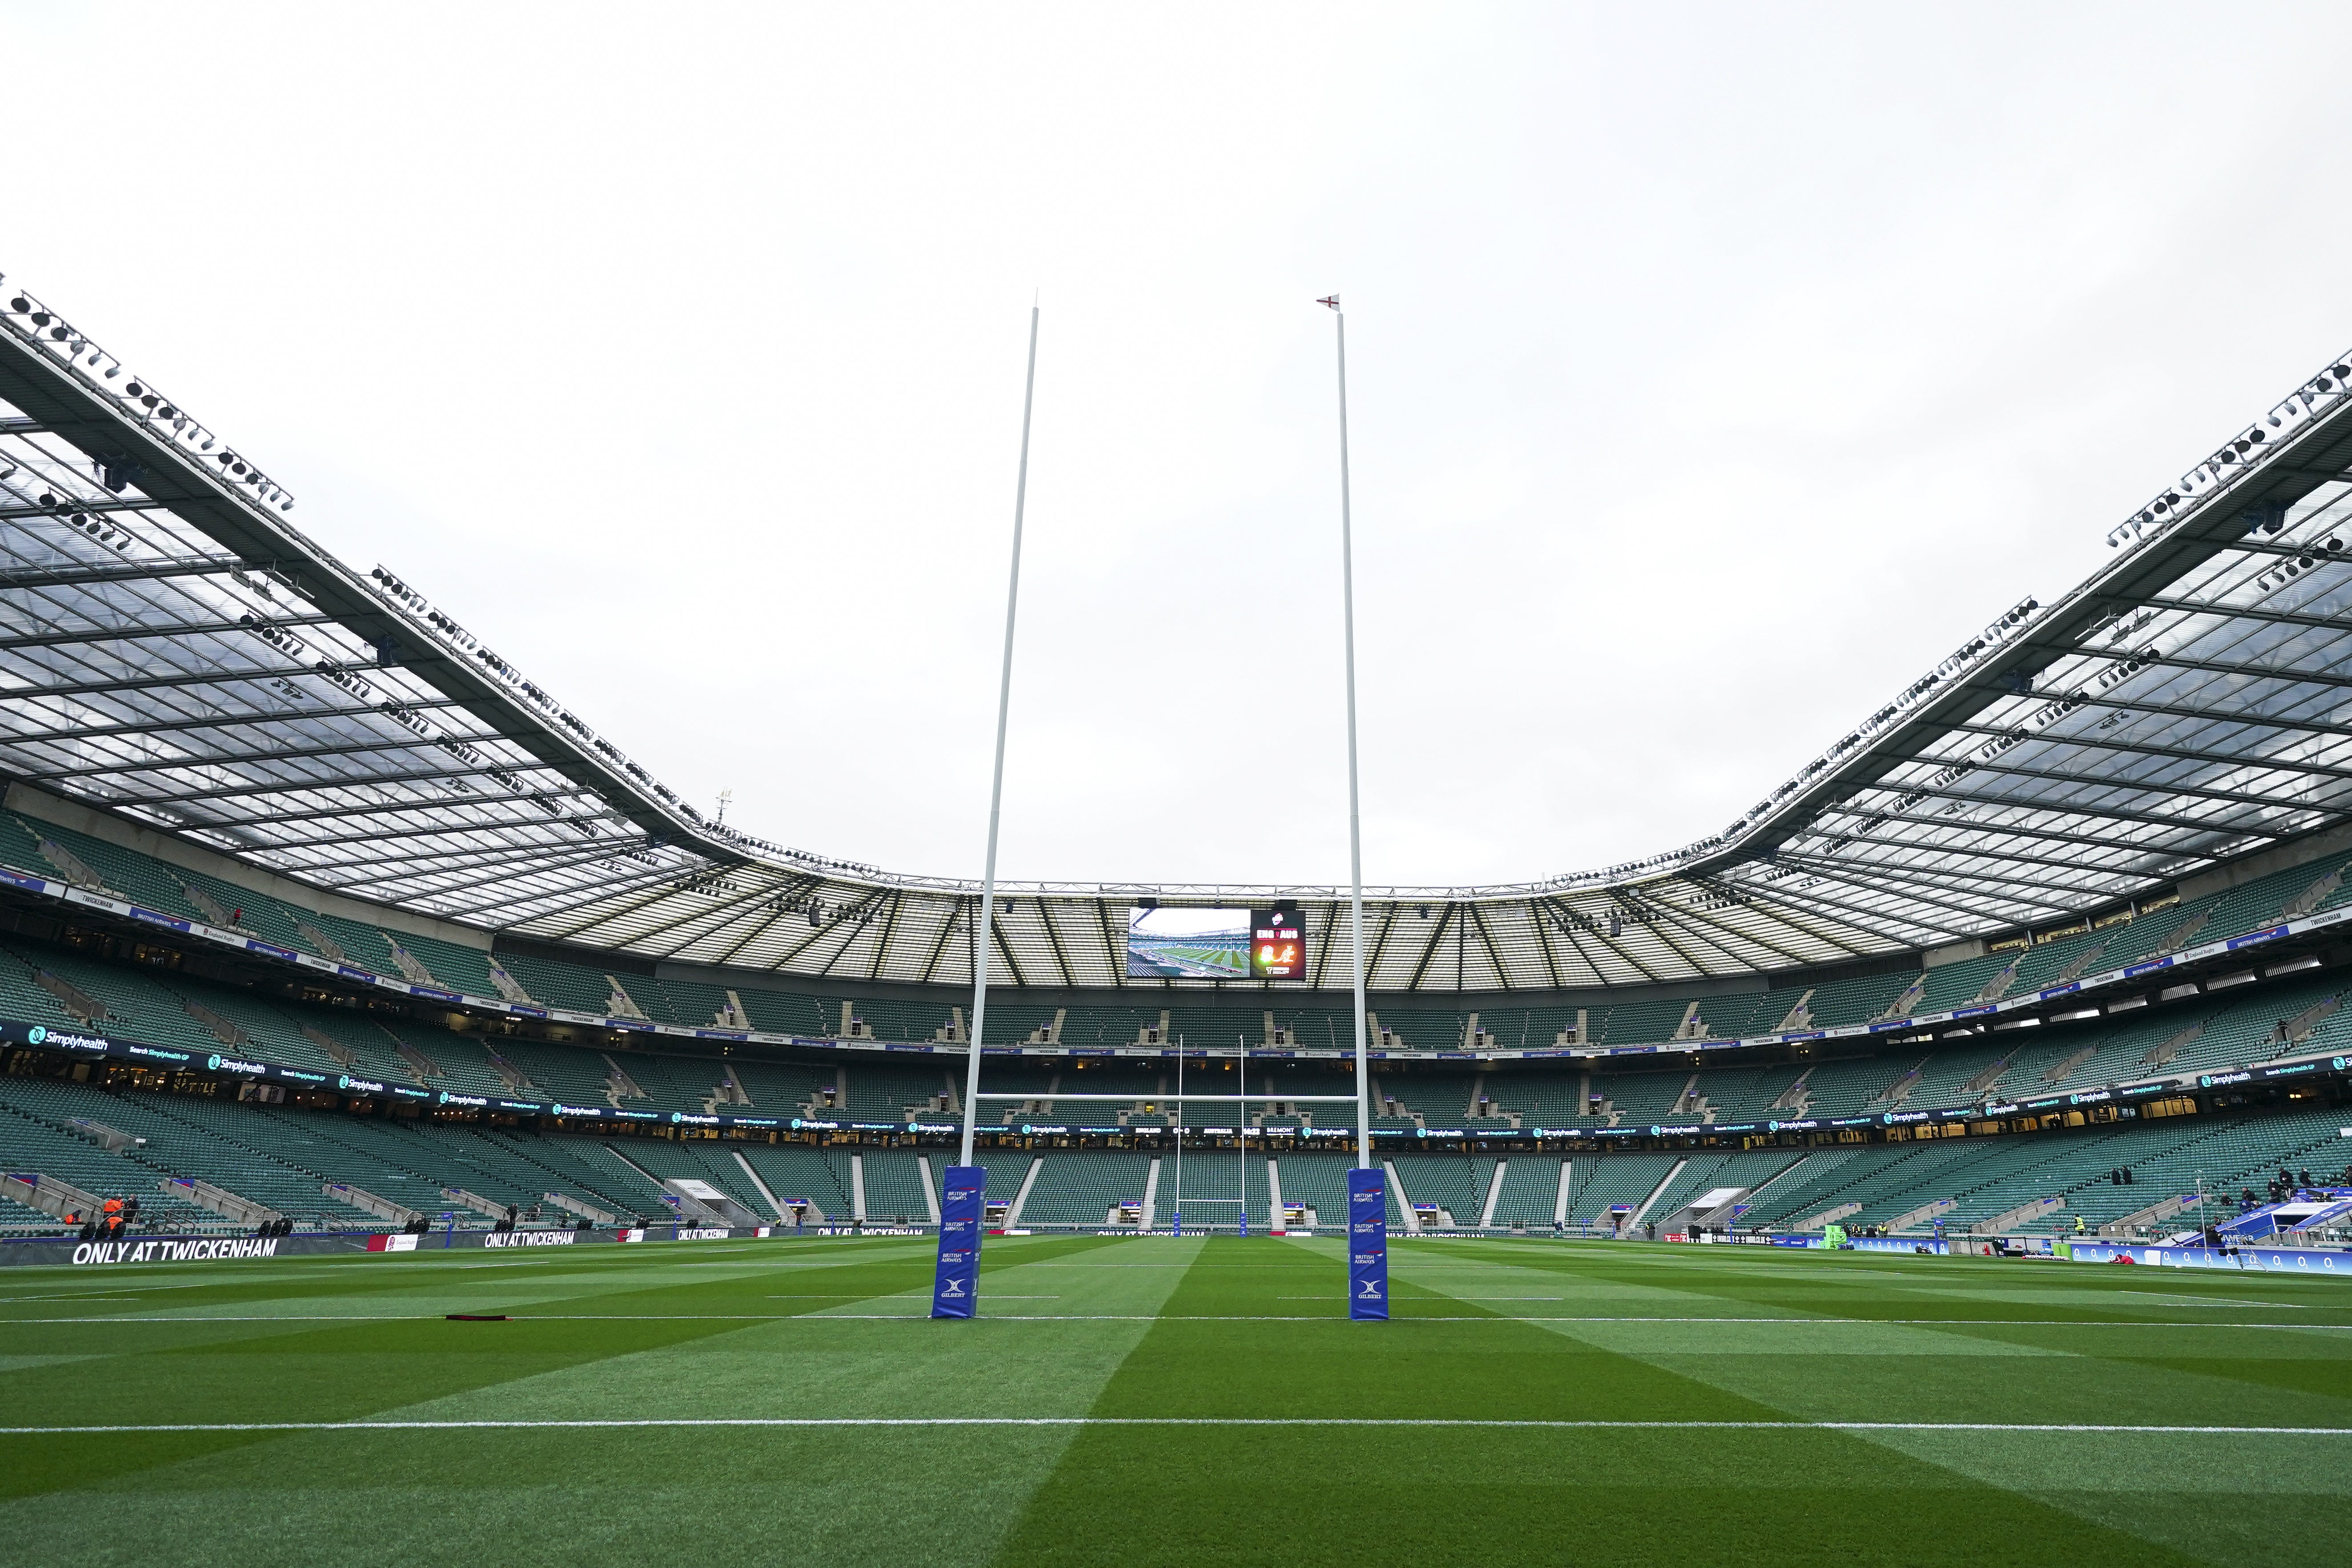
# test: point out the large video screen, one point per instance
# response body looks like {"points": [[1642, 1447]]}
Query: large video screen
{"points": [[1278, 944], [1215, 945]]}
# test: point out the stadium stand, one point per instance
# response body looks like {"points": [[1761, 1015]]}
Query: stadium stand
{"points": [[45, 849], [281, 1156], [1082, 1188], [794, 1172]]}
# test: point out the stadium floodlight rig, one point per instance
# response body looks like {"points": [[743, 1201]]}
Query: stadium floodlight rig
{"points": [[174, 652]]}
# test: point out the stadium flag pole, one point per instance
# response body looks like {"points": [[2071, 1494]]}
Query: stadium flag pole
{"points": [[963, 1198], [1368, 1214]]}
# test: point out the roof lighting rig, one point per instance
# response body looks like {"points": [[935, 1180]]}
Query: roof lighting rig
{"points": [[34, 323]]}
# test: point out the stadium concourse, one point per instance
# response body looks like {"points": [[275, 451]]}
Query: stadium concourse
{"points": [[385, 984]]}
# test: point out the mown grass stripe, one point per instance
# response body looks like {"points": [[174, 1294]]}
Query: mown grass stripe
{"points": [[1332, 1317], [1318, 1421]]}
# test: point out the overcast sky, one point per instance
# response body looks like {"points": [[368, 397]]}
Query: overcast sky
{"points": [[1713, 374]]}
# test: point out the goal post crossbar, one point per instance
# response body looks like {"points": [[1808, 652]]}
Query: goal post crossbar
{"points": [[1157, 1099]]}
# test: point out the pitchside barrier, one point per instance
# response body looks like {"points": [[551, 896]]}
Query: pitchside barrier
{"points": [[2250, 1259], [137, 1250], [2244, 1260], [172, 1249]]}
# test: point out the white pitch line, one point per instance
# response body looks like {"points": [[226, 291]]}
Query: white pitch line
{"points": [[1445, 1318], [1490, 1318], [830, 1421], [2224, 1300]]}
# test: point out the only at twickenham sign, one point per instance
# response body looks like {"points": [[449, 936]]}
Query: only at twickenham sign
{"points": [[195, 1249]]}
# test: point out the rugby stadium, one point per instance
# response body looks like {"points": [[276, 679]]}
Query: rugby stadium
{"points": [[424, 1132]]}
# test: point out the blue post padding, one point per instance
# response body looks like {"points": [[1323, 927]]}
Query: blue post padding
{"points": [[1367, 1245], [955, 1293]]}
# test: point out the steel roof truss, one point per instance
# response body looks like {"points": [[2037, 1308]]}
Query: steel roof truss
{"points": [[231, 721]]}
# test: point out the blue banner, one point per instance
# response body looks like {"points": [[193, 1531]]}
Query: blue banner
{"points": [[955, 1293], [2249, 1260], [1367, 1245]]}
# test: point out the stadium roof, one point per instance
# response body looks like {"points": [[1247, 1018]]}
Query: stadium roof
{"points": [[177, 652]]}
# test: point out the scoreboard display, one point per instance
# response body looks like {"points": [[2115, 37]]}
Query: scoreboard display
{"points": [[1278, 943], [1191, 942]]}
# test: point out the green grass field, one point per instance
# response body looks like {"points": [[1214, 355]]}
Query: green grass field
{"points": [[1147, 1401]]}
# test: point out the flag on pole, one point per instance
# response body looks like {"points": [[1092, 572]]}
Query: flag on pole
{"points": [[1332, 301]]}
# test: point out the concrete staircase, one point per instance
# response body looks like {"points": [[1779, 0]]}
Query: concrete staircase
{"points": [[1916, 1219], [2008, 1218]]}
